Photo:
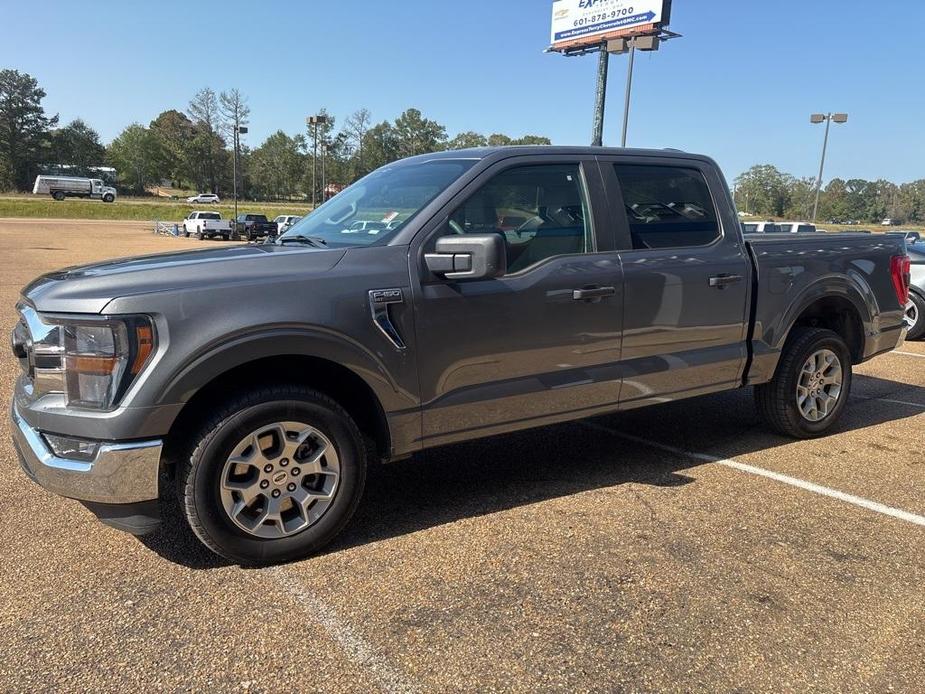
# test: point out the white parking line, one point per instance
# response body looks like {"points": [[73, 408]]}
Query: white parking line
{"points": [[908, 354], [358, 650], [778, 477]]}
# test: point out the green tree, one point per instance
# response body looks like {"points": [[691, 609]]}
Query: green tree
{"points": [[207, 144], [381, 145], [78, 145], [418, 135], [174, 132], [766, 190], [467, 139], [532, 140], [136, 155], [23, 128], [277, 165], [356, 128], [234, 113], [499, 140]]}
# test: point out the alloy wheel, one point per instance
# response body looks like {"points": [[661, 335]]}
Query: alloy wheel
{"points": [[820, 385], [279, 479]]}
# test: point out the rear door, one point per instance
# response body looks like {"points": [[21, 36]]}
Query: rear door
{"points": [[686, 278], [541, 343]]}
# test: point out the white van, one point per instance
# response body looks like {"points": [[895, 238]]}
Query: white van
{"points": [[60, 187]]}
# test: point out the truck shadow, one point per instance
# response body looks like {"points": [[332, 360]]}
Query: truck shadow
{"points": [[503, 472]]}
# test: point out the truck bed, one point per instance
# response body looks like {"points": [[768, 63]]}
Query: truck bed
{"points": [[837, 270]]}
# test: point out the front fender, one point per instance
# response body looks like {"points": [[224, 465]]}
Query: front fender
{"points": [[278, 341]]}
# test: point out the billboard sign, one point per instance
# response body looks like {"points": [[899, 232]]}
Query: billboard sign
{"points": [[584, 22]]}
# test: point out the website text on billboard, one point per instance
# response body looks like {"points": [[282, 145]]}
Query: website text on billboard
{"points": [[592, 21]]}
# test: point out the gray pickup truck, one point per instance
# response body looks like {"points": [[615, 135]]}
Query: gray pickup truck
{"points": [[498, 289]]}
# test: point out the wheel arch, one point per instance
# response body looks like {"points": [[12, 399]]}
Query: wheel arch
{"points": [[838, 306], [344, 373]]}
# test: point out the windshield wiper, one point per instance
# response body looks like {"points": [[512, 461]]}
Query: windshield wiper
{"points": [[315, 241]]}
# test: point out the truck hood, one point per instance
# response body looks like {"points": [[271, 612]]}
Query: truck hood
{"points": [[89, 288]]}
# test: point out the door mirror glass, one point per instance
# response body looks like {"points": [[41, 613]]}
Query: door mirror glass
{"points": [[468, 256]]}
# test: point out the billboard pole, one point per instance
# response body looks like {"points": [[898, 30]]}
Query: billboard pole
{"points": [[629, 91], [600, 97], [581, 27]]}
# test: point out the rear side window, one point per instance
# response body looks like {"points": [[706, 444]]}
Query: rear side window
{"points": [[667, 206], [804, 228]]}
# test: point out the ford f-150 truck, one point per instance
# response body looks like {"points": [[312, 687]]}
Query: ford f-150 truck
{"points": [[512, 288]]}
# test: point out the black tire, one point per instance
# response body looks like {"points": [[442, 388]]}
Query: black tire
{"points": [[108, 198], [199, 475], [224, 237], [185, 232], [58, 195], [917, 329], [776, 400]]}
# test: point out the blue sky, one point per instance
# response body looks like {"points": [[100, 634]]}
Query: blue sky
{"points": [[739, 85]]}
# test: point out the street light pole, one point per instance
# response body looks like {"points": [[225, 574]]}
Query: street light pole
{"points": [[238, 131], [815, 119], [324, 151], [314, 122]]}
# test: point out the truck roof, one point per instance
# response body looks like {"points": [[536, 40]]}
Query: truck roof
{"points": [[487, 152]]}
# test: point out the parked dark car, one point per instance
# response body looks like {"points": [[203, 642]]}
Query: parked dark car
{"points": [[251, 227], [260, 380], [915, 308]]}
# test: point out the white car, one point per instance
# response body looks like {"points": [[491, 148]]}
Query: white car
{"points": [[284, 221], [888, 222], [205, 198]]}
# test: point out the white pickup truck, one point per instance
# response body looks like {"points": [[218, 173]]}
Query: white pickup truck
{"points": [[60, 187], [206, 225]]}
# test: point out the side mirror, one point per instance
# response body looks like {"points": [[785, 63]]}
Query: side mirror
{"points": [[468, 256]]}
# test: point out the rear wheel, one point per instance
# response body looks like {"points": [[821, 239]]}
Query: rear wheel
{"points": [[810, 388], [275, 476], [915, 316], [58, 195]]}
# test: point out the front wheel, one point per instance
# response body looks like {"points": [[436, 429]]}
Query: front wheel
{"points": [[108, 197], [275, 476], [915, 316], [58, 195], [810, 388]]}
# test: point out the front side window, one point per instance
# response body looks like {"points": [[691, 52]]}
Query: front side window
{"points": [[540, 210], [667, 206]]}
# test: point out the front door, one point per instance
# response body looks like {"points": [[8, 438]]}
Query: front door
{"points": [[686, 277], [542, 342]]}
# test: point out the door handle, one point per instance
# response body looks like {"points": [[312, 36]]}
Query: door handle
{"points": [[592, 293], [722, 281]]}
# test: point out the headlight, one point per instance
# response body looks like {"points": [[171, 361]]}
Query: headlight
{"points": [[91, 362]]}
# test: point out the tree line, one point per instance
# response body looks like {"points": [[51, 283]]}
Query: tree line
{"points": [[193, 148], [763, 190]]}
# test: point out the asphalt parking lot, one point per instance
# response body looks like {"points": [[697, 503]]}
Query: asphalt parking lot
{"points": [[578, 557]]}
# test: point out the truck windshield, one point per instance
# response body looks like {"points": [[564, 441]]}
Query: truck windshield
{"points": [[374, 208]]}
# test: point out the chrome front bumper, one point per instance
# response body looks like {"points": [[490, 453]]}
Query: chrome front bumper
{"points": [[121, 473]]}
